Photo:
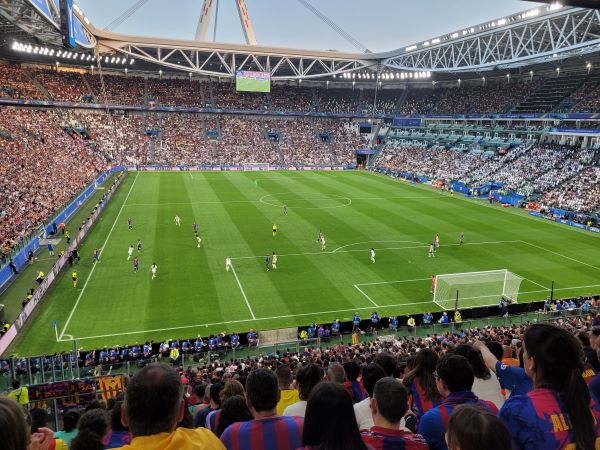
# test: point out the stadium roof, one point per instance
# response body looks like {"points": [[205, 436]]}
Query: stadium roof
{"points": [[541, 35]]}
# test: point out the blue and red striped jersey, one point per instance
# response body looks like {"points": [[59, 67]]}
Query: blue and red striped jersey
{"points": [[538, 421], [419, 403], [272, 433], [434, 423], [386, 439]]}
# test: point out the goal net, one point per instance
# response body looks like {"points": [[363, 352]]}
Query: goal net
{"points": [[476, 288], [248, 167]]}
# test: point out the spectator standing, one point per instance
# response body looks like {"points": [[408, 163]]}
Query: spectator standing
{"points": [[472, 427], [559, 412], [19, 393], [215, 403], [353, 386], [288, 395], [329, 422], [371, 374], [119, 434], [70, 419], [267, 431], [454, 379], [388, 406], [307, 378], [486, 385], [92, 429], [153, 406], [421, 383]]}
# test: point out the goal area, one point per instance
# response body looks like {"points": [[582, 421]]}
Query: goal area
{"points": [[473, 289]]}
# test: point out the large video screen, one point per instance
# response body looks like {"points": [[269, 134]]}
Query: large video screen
{"points": [[248, 81]]}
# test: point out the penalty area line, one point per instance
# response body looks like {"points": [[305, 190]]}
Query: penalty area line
{"points": [[243, 292], [368, 298]]}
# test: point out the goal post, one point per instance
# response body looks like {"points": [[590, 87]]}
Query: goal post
{"points": [[474, 289]]}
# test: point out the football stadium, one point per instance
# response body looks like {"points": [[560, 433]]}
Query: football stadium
{"points": [[237, 237]]}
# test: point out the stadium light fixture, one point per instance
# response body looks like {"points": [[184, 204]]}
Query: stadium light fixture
{"points": [[132, 61], [57, 64]]}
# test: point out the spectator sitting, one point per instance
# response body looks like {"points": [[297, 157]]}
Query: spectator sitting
{"points": [[233, 410], [454, 380], [307, 378], [559, 412], [329, 422], [153, 406], [362, 410], [474, 427], [389, 405], [262, 395], [288, 395]]}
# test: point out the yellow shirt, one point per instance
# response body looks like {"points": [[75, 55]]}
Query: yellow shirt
{"points": [[20, 395], [288, 397], [180, 439]]}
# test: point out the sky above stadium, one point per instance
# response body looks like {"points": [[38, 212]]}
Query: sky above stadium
{"points": [[380, 25]]}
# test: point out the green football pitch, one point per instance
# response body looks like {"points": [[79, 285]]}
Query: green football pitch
{"points": [[194, 295]]}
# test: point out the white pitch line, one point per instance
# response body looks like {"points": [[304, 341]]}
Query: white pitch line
{"points": [[561, 255], [368, 298], [243, 293], [537, 284], [391, 282], [95, 265], [184, 327], [377, 242], [378, 249]]}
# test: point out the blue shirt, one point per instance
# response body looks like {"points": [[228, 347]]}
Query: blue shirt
{"points": [[434, 423], [513, 378], [356, 319], [272, 433], [594, 387]]}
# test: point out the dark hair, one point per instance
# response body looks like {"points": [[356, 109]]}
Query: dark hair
{"points": [[424, 368], [307, 378], [284, 375], [371, 374], [115, 418], [456, 372], [388, 363], [262, 390], [70, 419], [214, 391], [39, 418], [472, 427], [329, 422], [199, 391], [336, 373], [352, 369], [584, 338], [14, 432], [558, 361], [92, 428], [234, 410], [475, 359], [496, 349], [392, 399], [153, 400], [16, 384]]}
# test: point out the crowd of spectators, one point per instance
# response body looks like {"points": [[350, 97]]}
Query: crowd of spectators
{"points": [[41, 168], [495, 387], [580, 193]]}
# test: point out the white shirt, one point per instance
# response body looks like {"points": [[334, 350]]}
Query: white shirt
{"points": [[274, 259], [372, 253], [297, 409], [154, 269], [489, 390], [362, 411], [228, 261], [130, 250]]}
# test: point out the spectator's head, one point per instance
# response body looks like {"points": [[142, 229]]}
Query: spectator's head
{"points": [[336, 373], [16, 384], [496, 349], [199, 391], [472, 427], [308, 377], [39, 418], [14, 432], [284, 376], [70, 419], [329, 421], [554, 359], [231, 388], [352, 369], [389, 403], [371, 374], [262, 393], [233, 410], [475, 359], [388, 363], [92, 426], [215, 395], [153, 401], [115, 417], [454, 374], [424, 369]]}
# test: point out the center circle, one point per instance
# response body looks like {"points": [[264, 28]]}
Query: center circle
{"points": [[306, 200]]}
